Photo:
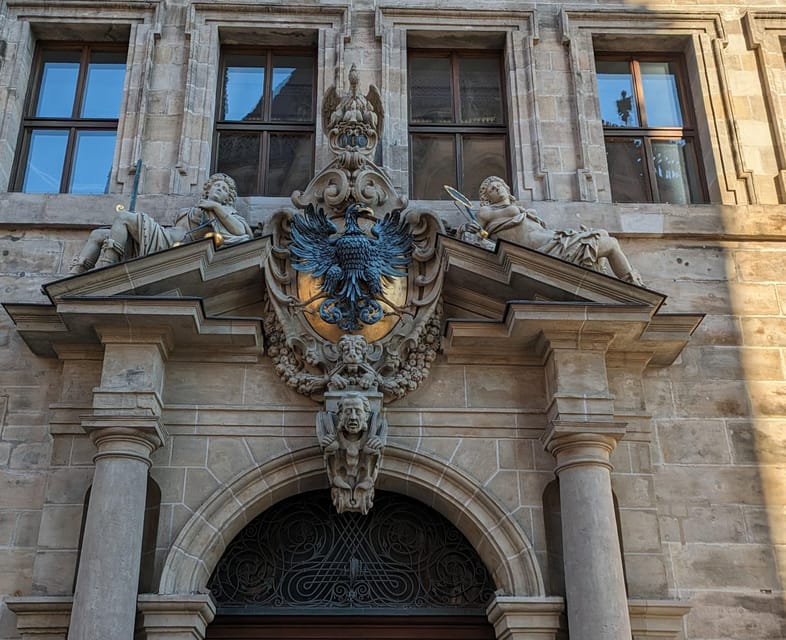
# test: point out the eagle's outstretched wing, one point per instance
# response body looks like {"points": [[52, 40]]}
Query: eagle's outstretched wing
{"points": [[392, 246], [313, 247]]}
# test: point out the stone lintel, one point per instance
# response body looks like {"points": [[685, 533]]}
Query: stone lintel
{"points": [[582, 443], [124, 436], [41, 617], [657, 619], [520, 618], [176, 617]]}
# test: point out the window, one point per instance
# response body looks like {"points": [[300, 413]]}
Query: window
{"points": [[70, 123], [649, 130], [265, 125], [457, 131]]}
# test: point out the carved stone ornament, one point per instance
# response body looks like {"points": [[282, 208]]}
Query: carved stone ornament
{"points": [[352, 435], [353, 307]]}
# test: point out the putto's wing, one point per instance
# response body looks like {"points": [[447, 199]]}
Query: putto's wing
{"points": [[330, 101], [393, 246], [313, 250], [375, 100]]}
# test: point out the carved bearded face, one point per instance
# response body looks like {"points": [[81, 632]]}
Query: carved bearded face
{"points": [[353, 416], [353, 349]]}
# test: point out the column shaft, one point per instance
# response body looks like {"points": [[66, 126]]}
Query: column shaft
{"points": [[108, 574]]}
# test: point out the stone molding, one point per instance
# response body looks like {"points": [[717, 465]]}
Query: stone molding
{"points": [[41, 617], [175, 617], [657, 619], [703, 33], [516, 618], [493, 532], [765, 32]]}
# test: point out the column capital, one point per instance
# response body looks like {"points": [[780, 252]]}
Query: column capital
{"points": [[582, 443], [526, 618], [176, 616], [123, 436]]}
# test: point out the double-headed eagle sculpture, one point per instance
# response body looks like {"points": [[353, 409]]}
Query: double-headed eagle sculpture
{"points": [[353, 264]]}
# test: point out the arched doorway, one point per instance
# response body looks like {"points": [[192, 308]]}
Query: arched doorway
{"points": [[301, 570]]}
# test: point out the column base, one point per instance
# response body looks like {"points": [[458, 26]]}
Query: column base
{"points": [[41, 617], [525, 618], [174, 617]]}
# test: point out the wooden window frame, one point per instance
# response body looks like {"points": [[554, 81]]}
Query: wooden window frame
{"points": [[455, 129], [264, 127], [688, 131], [74, 124]]}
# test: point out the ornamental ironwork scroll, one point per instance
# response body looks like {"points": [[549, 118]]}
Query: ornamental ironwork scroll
{"points": [[300, 553]]}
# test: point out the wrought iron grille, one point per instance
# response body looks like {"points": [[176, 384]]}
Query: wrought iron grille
{"points": [[301, 553]]}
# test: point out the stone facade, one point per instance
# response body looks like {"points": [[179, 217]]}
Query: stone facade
{"points": [[663, 426]]}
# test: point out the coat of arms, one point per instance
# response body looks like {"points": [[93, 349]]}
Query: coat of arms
{"points": [[353, 315]]}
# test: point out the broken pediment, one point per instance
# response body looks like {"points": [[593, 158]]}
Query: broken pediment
{"points": [[499, 304], [199, 295], [496, 304]]}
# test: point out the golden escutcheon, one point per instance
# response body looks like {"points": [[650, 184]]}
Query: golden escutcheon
{"points": [[395, 291]]}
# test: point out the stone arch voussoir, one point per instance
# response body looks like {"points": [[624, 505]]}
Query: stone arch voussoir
{"points": [[495, 535]]}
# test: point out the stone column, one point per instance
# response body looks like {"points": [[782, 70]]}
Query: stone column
{"points": [[126, 429], [581, 436]]}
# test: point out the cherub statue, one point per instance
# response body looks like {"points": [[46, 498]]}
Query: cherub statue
{"points": [[352, 441], [135, 234], [501, 217]]}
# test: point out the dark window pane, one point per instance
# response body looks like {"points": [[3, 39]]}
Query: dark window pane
{"points": [[293, 88], [430, 99], [45, 158], [480, 91], [289, 165], [92, 162], [661, 98], [627, 170], [58, 86], [676, 171], [238, 156], [433, 166], [105, 75], [615, 89], [483, 156], [244, 87]]}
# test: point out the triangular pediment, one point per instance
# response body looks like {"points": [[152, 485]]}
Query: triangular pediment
{"points": [[497, 304]]}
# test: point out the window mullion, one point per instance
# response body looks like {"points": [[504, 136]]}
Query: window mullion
{"points": [[638, 89], [264, 159], [81, 83], [649, 169], [267, 103], [69, 160]]}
